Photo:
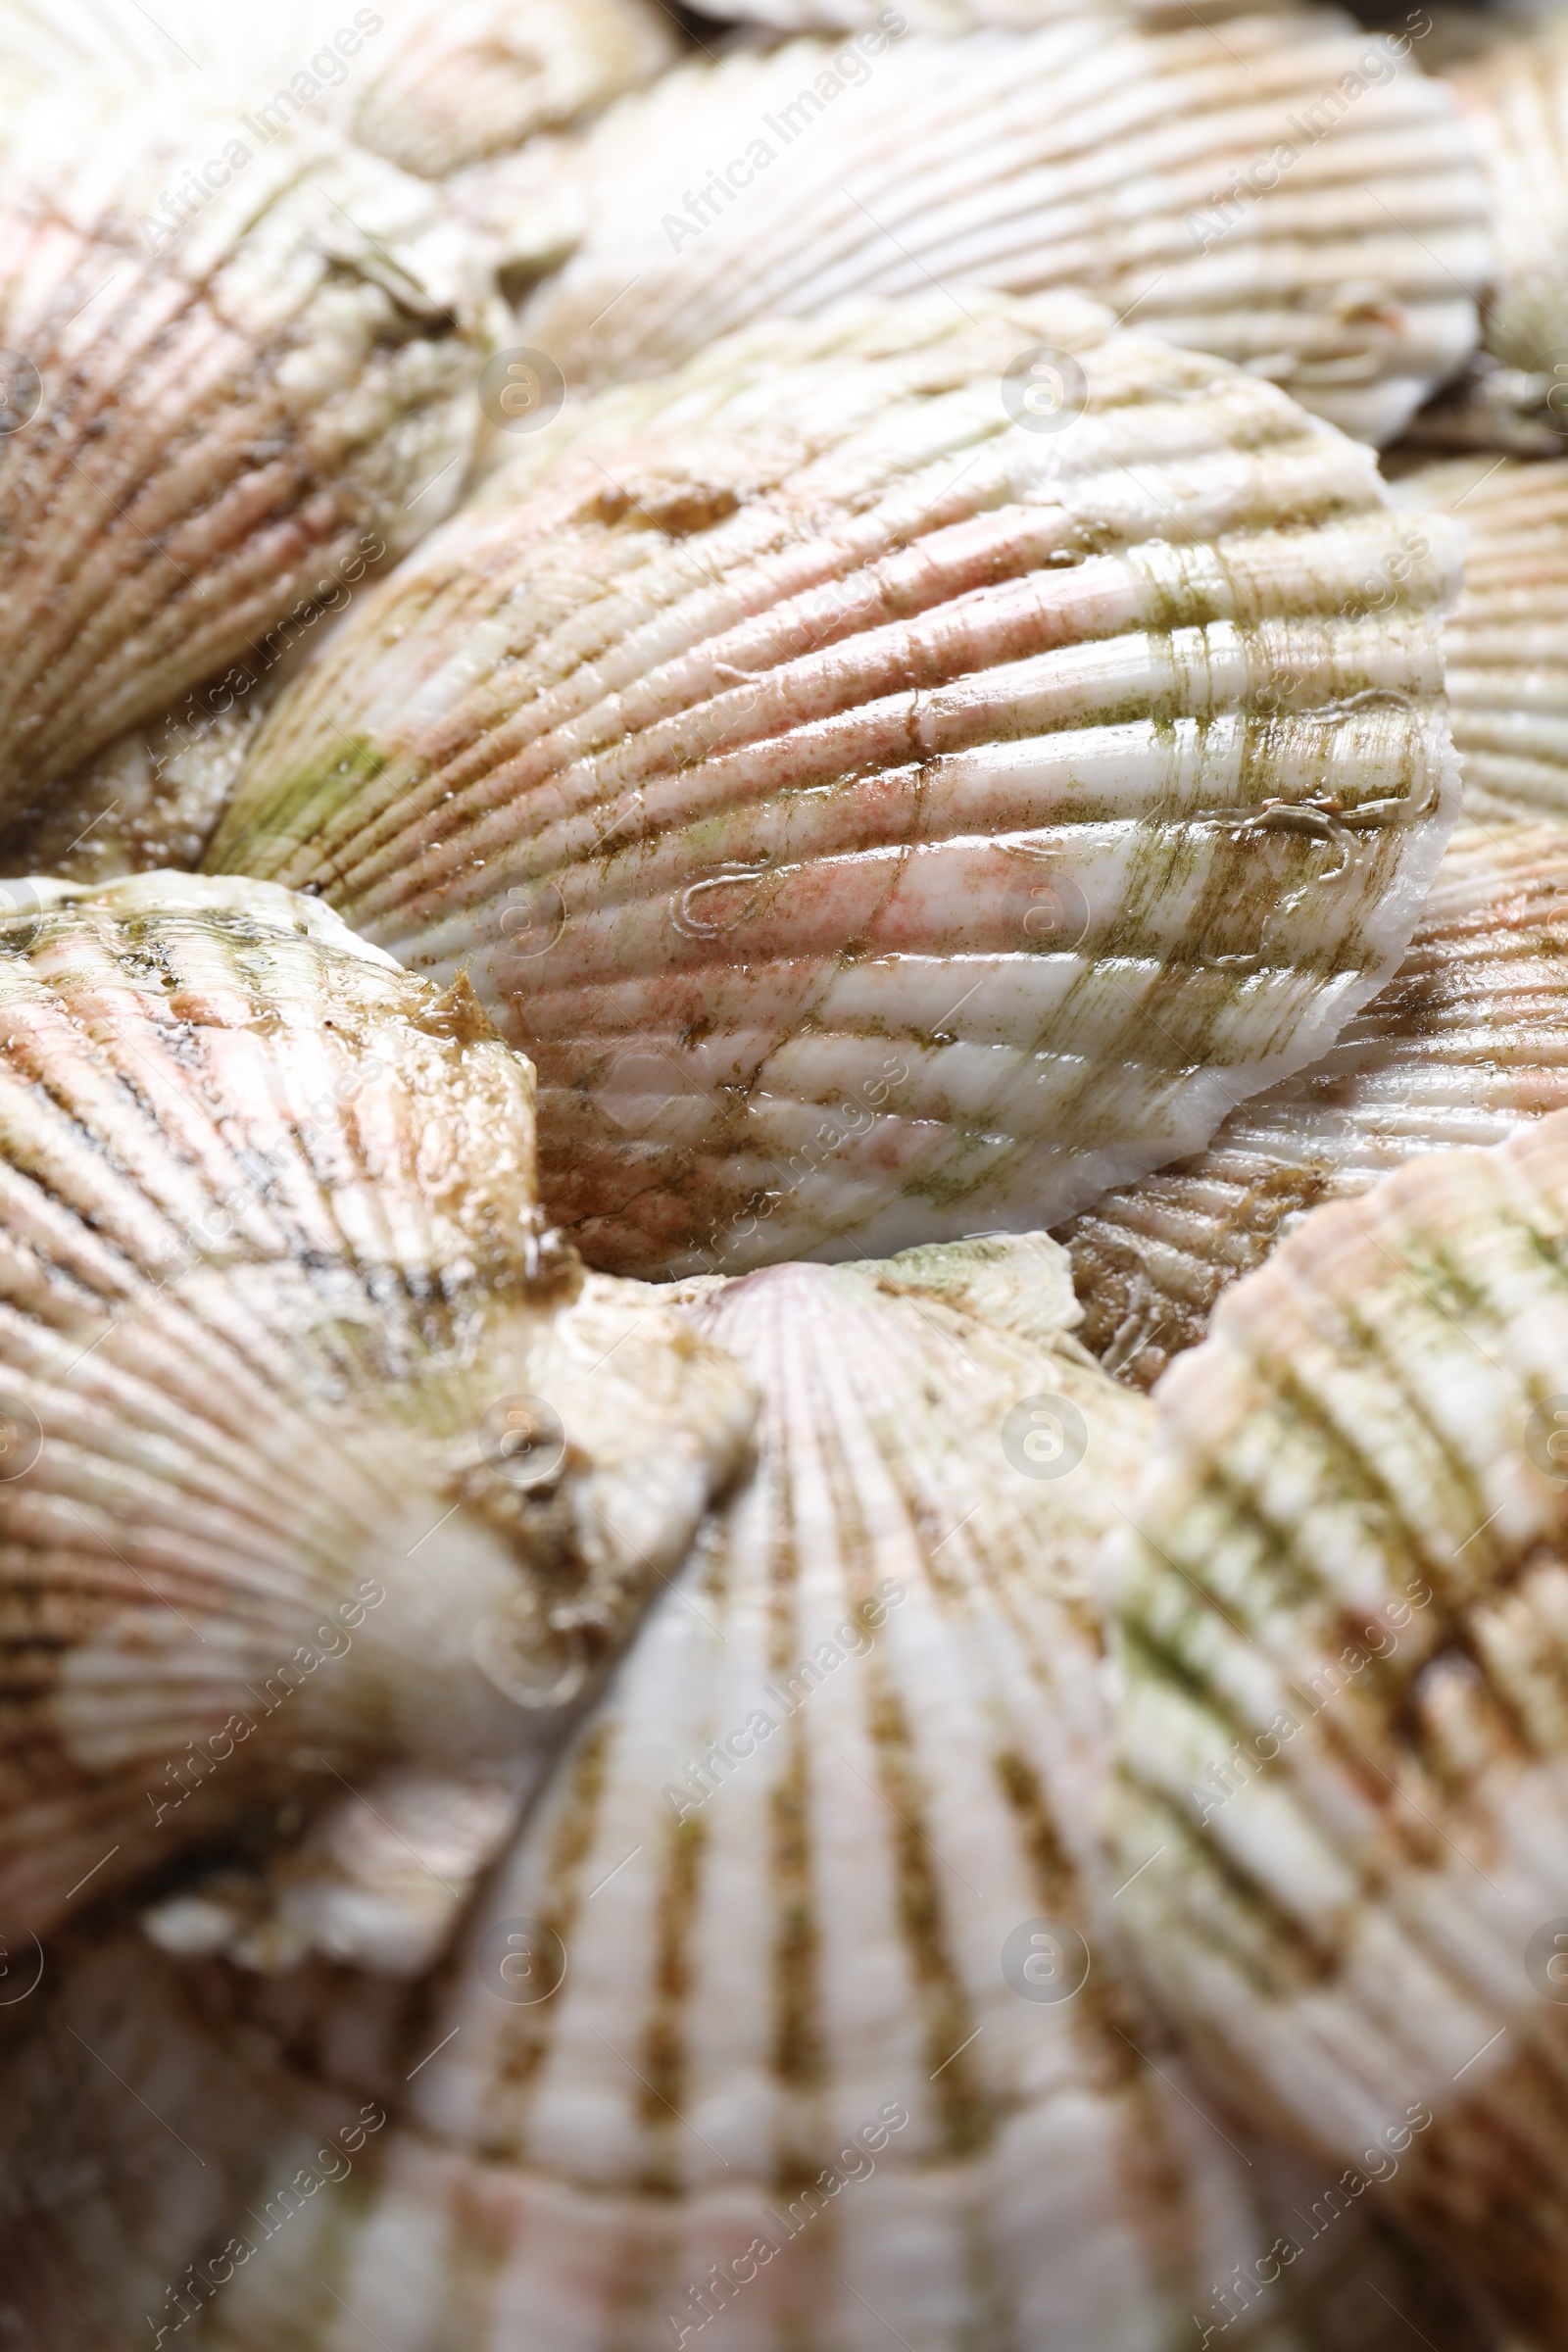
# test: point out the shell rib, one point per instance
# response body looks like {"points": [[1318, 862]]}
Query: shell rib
{"points": [[431, 87], [784, 2021], [1507, 640], [1289, 195], [231, 416], [880, 822], [315, 1448], [1345, 1745], [1469, 1039]]}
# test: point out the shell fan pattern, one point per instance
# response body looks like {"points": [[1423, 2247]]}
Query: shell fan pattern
{"points": [[317, 1450], [770, 2065], [1293, 195], [879, 820], [1465, 1043], [1340, 1772]]}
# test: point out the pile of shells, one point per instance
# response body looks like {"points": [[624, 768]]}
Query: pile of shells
{"points": [[783, 1177]]}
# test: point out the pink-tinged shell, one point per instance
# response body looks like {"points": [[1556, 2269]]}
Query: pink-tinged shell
{"points": [[277, 1296], [1288, 194], [784, 2023], [1344, 1769], [1465, 1043], [231, 416], [877, 820]]}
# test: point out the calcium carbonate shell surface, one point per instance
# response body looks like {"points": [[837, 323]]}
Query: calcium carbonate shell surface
{"points": [[1466, 1043], [1507, 640], [431, 87], [314, 1448], [746, 2045], [1343, 1753], [212, 420], [1285, 192], [880, 820]]}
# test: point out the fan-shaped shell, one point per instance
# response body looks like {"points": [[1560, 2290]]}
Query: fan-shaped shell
{"points": [[247, 389], [784, 2093], [1469, 1039], [1344, 1773], [270, 1259], [881, 821], [1507, 640], [1288, 194], [431, 87]]}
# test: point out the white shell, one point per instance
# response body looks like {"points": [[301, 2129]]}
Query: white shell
{"points": [[1287, 194], [879, 820], [314, 1447], [1507, 640], [1469, 1039], [1344, 1774], [784, 2021], [433, 86], [221, 419]]}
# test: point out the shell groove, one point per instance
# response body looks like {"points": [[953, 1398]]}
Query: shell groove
{"points": [[315, 1449], [1465, 1043], [431, 88], [783, 2020], [1287, 194], [230, 416], [1506, 641], [1343, 1744], [878, 820]]}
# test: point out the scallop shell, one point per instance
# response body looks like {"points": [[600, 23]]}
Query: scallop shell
{"points": [[431, 88], [1287, 194], [227, 417], [1508, 641], [784, 2020], [879, 821], [1344, 1772], [315, 1448], [1467, 1042]]}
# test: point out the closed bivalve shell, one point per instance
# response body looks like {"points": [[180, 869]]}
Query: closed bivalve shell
{"points": [[880, 820], [1343, 1749], [315, 1447], [1289, 193], [789, 2019]]}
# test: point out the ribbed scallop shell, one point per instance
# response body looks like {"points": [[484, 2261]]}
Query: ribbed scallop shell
{"points": [[1507, 640], [800, 1981], [1515, 102], [881, 821], [1470, 1038], [431, 87], [277, 1316], [231, 418], [1344, 1774], [1085, 154]]}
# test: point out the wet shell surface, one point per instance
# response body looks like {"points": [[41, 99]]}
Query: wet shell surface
{"points": [[1469, 1039], [431, 87], [790, 2020], [210, 421], [1507, 640], [881, 821], [1288, 194], [1343, 1753], [315, 1448]]}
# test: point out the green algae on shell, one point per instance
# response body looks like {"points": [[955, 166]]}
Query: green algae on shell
{"points": [[315, 1447], [1469, 1039], [1343, 1781], [730, 2053], [877, 819]]}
